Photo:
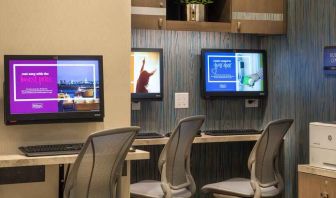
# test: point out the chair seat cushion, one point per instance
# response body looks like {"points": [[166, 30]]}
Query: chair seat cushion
{"points": [[238, 187], [150, 188]]}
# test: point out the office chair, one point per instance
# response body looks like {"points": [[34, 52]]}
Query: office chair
{"points": [[174, 165], [97, 169], [265, 180]]}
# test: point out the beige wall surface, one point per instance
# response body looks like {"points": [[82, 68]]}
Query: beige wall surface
{"points": [[71, 27]]}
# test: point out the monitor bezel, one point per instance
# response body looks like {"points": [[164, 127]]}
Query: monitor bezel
{"points": [[325, 67], [150, 96], [248, 94], [44, 118]]}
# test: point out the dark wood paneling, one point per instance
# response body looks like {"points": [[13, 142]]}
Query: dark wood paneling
{"points": [[182, 74], [210, 162], [298, 87]]}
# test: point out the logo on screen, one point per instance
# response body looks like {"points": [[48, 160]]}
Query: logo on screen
{"points": [[37, 106]]}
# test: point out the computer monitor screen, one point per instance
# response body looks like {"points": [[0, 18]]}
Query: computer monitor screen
{"points": [[146, 74], [234, 73], [330, 59], [41, 89]]}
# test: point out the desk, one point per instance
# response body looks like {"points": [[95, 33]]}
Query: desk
{"points": [[199, 140], [316, 182], [16, 160]]}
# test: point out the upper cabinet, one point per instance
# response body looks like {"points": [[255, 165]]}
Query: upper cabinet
{"points": [[149, 14], [258, 16], [236, 16]]}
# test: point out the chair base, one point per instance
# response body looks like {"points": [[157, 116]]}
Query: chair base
{"points": [[153, 189]]}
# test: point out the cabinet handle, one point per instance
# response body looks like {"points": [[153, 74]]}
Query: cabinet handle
{"points": [[238, 26], [161, 4], [160, 23], [324, 195]]}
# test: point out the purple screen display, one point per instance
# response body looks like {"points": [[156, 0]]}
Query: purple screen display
{"points": [[53, 86]]}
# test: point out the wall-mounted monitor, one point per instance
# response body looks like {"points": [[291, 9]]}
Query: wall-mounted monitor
{"points": [[233, 73], [45, 89], [146, 72], [330, 59]]}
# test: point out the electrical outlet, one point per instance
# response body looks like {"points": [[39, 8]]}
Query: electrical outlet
{"points": [[251, 103], [181, 100], [136, 106]]}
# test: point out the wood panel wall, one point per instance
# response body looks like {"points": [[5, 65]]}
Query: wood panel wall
{"points": [[182, 74], [298, 88]]}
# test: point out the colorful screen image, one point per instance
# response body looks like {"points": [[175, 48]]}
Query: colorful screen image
{"points": [[145, 72], [53, 86], [234, 72]]}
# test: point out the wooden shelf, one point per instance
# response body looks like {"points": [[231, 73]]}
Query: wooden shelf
{"points": [[262, 17], [200, 140], [15, 160], [198, 26], [310, 169]]}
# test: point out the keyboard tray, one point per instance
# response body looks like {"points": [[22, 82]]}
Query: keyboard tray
{"points": [[227, 132], [150, 135]]}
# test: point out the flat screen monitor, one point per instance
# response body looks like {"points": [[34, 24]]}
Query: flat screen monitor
{"points": [[234, 73], [146, 74], [44, 89], [330, 59]]}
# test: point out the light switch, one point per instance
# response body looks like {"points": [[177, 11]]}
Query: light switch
{"points": [[181, 100], [136, 106]]}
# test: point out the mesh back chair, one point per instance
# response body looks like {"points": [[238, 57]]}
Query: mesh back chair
{"points": [[265, 180], [97, 169], [174, 164]]}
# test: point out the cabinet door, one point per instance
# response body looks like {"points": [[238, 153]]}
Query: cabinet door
{"points": [[149, 14], [309, 186], [314, 186], [259, 16], [330, 188]]}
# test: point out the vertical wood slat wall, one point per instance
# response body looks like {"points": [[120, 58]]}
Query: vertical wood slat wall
{"points": [[298, 88]]}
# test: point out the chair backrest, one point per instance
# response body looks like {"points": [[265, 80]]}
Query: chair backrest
{"points": [[263, 161], [174, 162], [98, 167]]}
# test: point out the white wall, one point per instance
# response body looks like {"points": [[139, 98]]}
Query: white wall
{"points": [[87, 27]]}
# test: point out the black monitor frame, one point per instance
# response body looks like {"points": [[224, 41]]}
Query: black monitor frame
{"points": [[325, 67], [150, 96], [246, 94], [43, 118]]}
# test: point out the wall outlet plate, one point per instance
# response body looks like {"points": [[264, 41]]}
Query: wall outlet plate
{"points": [[136, 106], [251, 103], [181, 100]]}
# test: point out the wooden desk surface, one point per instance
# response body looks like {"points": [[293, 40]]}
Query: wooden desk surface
{"points": [[199, 140], [317, 171], [16, 160]]}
